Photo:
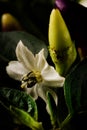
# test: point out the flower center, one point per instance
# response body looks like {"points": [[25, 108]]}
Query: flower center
{"points": [[38, 76], [31, 79]]}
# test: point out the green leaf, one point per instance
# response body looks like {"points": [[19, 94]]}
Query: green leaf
{"points": [[9, 41], [77, 121], [75, 87], [19, 99], [52, 110], [26, 119]]}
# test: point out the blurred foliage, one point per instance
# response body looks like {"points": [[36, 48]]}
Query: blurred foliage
{"points": [[33, 15]]}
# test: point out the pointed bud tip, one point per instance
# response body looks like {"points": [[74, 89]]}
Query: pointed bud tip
{"points": [[58, 33]]}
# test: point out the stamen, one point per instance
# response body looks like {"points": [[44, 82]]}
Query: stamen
{"points": [[31, 79], [38, 76], [28, 80]]}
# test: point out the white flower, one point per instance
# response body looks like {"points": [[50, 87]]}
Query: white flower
{"points": [[36, 75], [83, 2]]}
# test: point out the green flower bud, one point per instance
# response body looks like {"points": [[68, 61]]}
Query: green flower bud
{"points": [[61, 47]]}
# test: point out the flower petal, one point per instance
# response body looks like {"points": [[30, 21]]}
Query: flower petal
{"points": [[42, 92], [41, 62], [61, 4], [52, 78], [32, 91], [83, 2], [25, 56], [16, 70], [49, 74]]}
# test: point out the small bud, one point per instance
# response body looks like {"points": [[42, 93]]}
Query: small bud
{"points": [[61, 47], [9, 23]]}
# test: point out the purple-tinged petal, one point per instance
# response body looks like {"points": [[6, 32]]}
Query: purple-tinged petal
{"points": [[62, 5]]}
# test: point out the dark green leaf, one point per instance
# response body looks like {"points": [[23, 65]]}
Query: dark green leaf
{"points": [[77, 121], [75, 87], [9, 41], [18, 99]]}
